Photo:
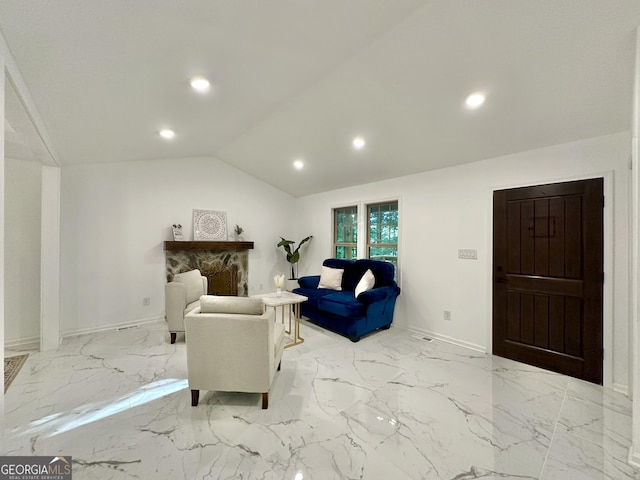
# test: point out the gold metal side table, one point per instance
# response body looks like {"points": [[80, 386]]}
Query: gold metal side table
{"points": [[292, 301]]}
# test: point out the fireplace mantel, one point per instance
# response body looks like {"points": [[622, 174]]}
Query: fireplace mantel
{"points": [[207, 246]]}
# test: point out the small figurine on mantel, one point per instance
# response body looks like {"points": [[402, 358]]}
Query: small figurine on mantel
{"points": [[238, 231], [177, 232]]}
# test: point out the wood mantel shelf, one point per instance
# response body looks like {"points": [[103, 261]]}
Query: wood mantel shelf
{"points": [[211, 246]]}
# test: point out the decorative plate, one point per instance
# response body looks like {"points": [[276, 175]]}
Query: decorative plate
{"points": [[209, 225]]}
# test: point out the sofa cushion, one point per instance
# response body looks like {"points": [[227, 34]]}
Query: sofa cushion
{"points": [[312, 294], [238, 305], [366, 283], [342, 304], [192, 281], [331, 278], [348, 281], [382, 271]]}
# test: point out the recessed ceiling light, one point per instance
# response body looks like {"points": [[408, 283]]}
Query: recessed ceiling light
{"points": [[475, 99], [166, 133], [200, 84], [298, 164], [358, 143]]}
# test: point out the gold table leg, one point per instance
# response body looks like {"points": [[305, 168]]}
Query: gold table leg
{"points": [[297, 339]]}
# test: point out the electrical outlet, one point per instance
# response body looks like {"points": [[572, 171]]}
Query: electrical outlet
{"points": [[146, 301], [447, 315], [468, 253]]}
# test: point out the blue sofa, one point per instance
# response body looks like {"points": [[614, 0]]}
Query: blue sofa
{"points": [[339, 310]]}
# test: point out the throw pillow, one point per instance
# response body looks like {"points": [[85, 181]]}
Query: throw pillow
{"points": [[192, 281], [238, 305], [367, 282], [331, 278]]}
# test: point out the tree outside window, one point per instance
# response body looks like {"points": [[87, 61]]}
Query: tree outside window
{"points": [[382, 238], [345, 237]]}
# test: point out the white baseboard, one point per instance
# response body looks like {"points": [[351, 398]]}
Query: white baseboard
{"points": [[447, 339], [634, 458], [25, 343], [113, 326], [621, 388]]}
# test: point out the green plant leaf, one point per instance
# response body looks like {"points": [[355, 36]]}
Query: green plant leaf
{"points": [[303, 241], [292, 256], [285, 242]]}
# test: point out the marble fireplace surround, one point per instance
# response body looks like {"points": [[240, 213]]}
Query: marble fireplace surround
{"points": [[210, 258]]}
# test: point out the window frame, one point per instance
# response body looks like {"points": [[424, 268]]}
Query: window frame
{"points": [[362, 246], [346, 245], [369, 245]]}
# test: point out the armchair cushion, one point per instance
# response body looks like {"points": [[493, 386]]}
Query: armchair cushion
{"points": [[190, 307], [192, 281], [238, 305]]}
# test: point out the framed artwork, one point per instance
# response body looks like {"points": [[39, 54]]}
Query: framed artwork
{"points": [[209, 225]]}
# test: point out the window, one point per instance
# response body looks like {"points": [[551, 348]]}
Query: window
{"points": [[380, 223], [345, 237], [382, 237]]}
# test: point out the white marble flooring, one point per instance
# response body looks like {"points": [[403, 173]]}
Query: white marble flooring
{"points": [[389, 407], [15, 351]]}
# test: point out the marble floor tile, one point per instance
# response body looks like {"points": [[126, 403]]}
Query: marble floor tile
{"points": [[388, 407]]}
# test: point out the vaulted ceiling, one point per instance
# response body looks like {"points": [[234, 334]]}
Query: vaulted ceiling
{"points": [[298, 79]]}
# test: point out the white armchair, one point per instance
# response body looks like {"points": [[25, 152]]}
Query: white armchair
{"points": [[181, 296], [233, 345]]}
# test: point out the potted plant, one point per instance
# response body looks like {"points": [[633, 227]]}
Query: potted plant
{"points": [[293, 256]]}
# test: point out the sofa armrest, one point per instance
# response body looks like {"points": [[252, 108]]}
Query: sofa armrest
{"points": [[311, 281], [378, 294], [205, 285], [175, 298]]}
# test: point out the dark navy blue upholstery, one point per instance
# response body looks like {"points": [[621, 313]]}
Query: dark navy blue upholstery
{"points": [[340, 311]]}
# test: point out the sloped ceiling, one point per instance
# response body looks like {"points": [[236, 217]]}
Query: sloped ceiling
{"points": [[299, 79], [22, 138]]}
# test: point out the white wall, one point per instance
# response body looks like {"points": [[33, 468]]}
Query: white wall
{"points": [[3, 55], [22, 251], [115, 218], [50, 259], [447, 209], [634, 449]]}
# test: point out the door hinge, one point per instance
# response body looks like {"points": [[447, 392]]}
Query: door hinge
{"points": [[603, 203]]}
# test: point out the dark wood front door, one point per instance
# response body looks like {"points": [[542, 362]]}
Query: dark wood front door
{"points": [[548, 275]]}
